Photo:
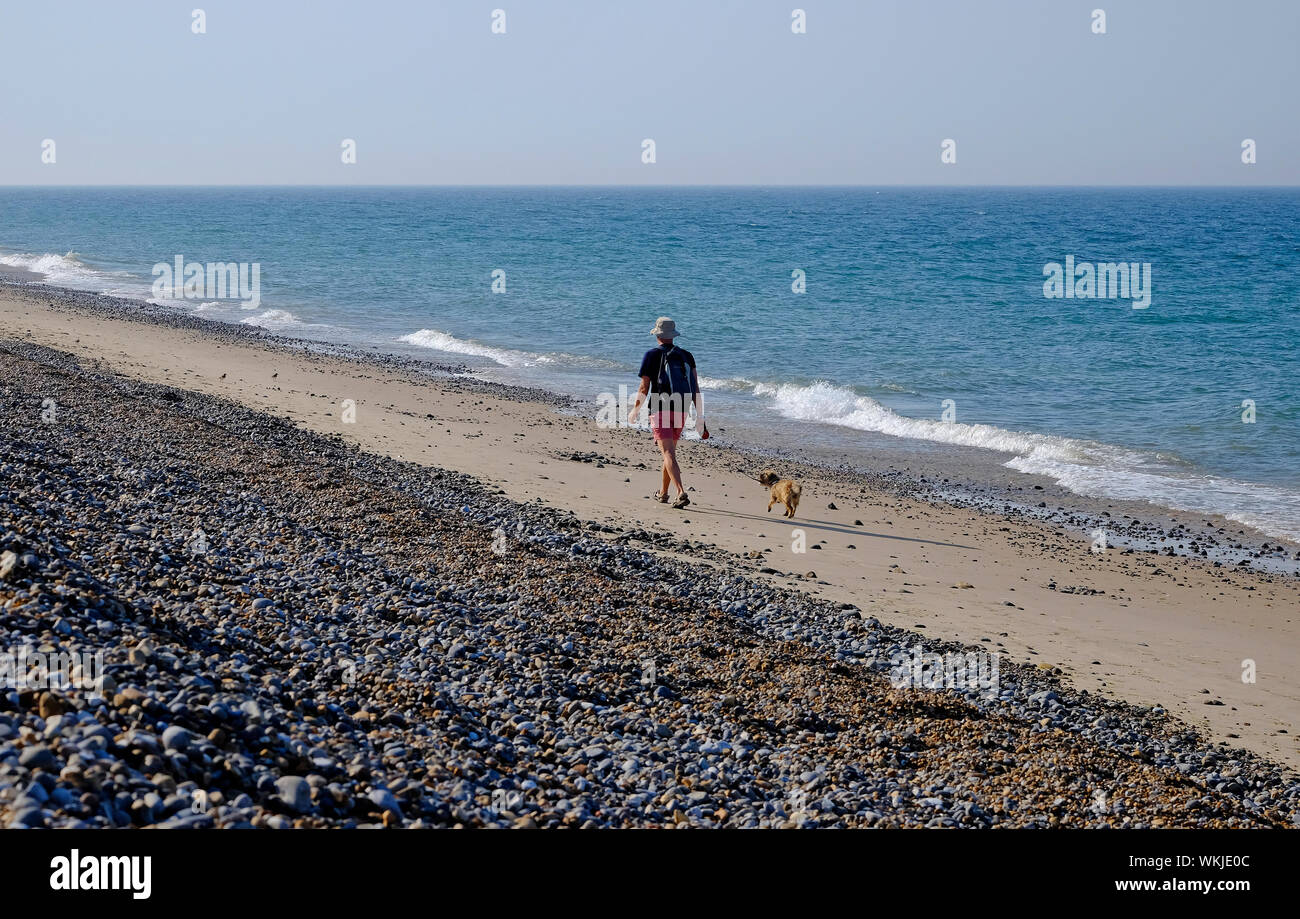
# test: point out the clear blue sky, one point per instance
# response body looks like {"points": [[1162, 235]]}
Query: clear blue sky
{"points": [[729, 94]]}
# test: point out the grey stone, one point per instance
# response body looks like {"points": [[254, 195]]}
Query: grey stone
{"points": [[295, 792], [177, 738], [38, 757]]}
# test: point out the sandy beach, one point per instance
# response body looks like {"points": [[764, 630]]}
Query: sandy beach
{"points": [[1153, 630]]}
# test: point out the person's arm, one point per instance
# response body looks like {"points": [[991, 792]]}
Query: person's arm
{"points": [[640, 397], [699, 407]]}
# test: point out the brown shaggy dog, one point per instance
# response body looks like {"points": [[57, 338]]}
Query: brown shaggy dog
{"points": [[784, 490]]}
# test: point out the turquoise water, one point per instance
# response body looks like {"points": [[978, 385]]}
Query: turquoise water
{"points": [[913, 297]]}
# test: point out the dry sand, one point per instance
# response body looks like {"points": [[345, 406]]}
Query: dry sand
{"points": [[1149, 629]]}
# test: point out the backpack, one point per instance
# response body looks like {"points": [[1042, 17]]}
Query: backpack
{"points": [[675, 384]]}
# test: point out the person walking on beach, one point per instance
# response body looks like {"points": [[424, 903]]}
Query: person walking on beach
{"points": [[669, 379]]}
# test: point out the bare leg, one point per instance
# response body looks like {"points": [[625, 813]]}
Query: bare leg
{"points": [[671, 469], [663, 489]]}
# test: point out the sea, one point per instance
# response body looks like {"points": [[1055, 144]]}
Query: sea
{"points": [[1136, 344]]}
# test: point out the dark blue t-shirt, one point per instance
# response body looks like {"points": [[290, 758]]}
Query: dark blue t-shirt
{"points": [[650, 365], [654, 358]]}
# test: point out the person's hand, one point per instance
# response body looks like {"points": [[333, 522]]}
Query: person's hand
{"points": [[631, 417]]}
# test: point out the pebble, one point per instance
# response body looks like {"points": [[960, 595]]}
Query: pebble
{"points": [[385, 800], [423, 680], [295, 792], [177, 738], [38, 758]]}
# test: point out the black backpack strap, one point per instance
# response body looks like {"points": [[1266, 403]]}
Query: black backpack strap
{"points": [[663, 361]]}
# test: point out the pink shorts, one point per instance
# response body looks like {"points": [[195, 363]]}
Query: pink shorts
{"points": [[667, 425]]}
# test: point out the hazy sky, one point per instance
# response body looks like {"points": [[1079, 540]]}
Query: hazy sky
{"points": [[727, 91]]}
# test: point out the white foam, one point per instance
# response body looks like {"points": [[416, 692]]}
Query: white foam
{"points": [[506, 357], [730, 384], [1084, 467], [66, 270], [1273, 511], [441, 341], [829, 404], [270, 319]]}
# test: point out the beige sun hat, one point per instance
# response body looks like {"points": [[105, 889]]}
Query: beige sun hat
{"points": [[665, 328]]}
